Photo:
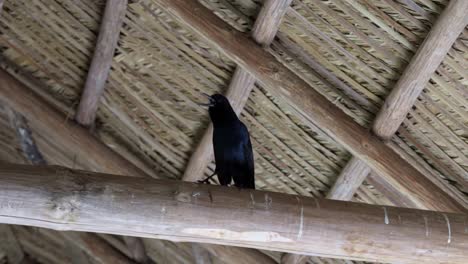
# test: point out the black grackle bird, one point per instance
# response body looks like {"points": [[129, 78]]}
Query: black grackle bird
{"points": [[231, 143]]}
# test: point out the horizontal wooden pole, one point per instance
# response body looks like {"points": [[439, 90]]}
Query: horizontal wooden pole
{"points": [[311, 105], [63, 199]]}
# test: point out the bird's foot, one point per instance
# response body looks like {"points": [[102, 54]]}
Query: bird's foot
{"points": [[205, 181]]}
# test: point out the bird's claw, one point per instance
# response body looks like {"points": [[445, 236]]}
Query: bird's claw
{"points": [[205, 181]]}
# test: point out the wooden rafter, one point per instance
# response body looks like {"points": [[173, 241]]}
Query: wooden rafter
{"points": [[102, 59], [64, 199], [311, 105], [406, 91], [90, 152], [263, 32]]}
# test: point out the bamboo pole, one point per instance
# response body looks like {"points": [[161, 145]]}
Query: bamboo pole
{"points": [[406, 91], [63, 199], [102, 59], [311, 105], [263, 32]]}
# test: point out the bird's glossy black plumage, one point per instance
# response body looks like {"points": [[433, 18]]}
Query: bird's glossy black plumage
{"points": [[231, 143]]}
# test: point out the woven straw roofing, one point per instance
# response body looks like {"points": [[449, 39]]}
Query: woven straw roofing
{"points": [[149, 113]]}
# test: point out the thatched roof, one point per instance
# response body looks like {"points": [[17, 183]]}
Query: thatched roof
{"points": [[149, 115]]}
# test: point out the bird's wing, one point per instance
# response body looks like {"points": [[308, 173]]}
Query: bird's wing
{"points": [[250, 167], [246, 179], [223, 155]]}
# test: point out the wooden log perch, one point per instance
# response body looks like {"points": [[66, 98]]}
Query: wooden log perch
{"points": [[311, 105], [430, 54], [263, 32], [102, 59], [63, 199]]}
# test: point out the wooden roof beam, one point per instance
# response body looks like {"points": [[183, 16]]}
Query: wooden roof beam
{"points": [[424, 63], [63, 199], [311, 105], [90, 152], [111, 23], [263, 32]]}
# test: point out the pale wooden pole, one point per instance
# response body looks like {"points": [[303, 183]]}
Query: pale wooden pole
{"points": [[311, 105], [113, 17], [424, 63], [63, 199], [263, 32]]}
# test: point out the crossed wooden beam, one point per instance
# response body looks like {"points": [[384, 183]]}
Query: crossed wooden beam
{"points": [[255, 64]]}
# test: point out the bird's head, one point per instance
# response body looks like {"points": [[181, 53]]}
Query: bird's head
{"points": [[216, 100], [220, 109]]}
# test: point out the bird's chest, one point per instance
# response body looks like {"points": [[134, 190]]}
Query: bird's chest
{"points": [[228, 141]]}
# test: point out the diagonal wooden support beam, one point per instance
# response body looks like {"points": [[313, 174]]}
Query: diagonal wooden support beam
{"points": [[64, 199], [114, 14], [311, 105], [406, 91], [263, 32], [90, 152]]}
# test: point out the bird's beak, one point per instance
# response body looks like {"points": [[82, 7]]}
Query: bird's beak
{"points": [[211, 103]]}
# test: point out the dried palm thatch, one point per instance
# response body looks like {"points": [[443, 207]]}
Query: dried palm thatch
{"points": [[352, 52]]}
